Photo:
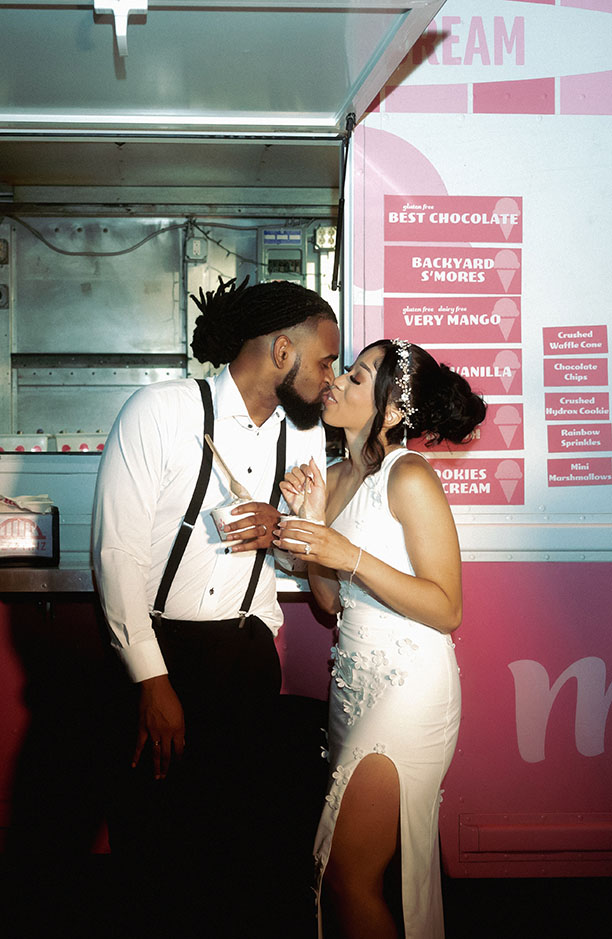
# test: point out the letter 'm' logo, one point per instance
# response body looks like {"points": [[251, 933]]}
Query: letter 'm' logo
{"points": [[535, 698]]}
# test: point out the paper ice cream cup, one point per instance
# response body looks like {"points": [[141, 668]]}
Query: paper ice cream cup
{"points": [[223, 516]]}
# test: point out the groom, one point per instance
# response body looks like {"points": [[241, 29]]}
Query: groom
{"points": [[207, 678]]}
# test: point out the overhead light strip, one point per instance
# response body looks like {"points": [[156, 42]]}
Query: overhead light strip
{"points": [[183, 121], [156, 136]]}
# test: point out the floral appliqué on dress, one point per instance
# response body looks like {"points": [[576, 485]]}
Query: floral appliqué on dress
{"points": [[339, 781], [406, 647], [341, 776], [363, 678], [346, 595]]}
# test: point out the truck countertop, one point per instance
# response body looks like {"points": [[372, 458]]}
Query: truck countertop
{"points": [[45, 580], [66, 579]]}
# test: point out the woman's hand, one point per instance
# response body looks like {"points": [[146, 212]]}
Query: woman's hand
{"points": [[304, 491], [317, 543]]}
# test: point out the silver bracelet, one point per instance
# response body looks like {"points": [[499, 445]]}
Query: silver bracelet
{"points": [[354, 571]]}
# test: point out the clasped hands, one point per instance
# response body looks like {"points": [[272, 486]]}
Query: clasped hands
{"points": [[304, 491]]}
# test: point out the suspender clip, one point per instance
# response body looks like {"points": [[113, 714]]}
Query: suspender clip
{"points": [[242, 615]]}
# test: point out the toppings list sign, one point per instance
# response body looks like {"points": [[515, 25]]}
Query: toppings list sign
{"points": [[566, 438], [575, 340], [578, 405], [580, 472], [566, 367], [560, 373]]}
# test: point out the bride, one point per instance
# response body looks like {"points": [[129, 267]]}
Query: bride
{"points": [[382, 551]]}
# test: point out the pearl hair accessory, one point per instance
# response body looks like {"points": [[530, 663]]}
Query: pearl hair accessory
{"points": [[404, 356]]}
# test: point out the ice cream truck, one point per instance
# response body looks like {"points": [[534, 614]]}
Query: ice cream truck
{"points": [[440, 172]]}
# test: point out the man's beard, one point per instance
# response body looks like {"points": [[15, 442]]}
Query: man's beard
{"points": [[304, 414]]}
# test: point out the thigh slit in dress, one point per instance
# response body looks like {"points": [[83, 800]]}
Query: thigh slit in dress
{"points": [[394, 691]]}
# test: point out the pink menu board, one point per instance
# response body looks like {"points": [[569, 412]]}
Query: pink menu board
{"points": [[462, 301], [482, 231]]}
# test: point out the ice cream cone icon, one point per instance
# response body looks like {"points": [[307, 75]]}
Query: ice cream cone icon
{"points": [[506, 265], [508, 313], [509, 474], [507, 207], [509, 363], [508, 419]]}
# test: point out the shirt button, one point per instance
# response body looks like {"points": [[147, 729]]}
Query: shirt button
{"points": [[227, 551], [249, 470], [250, 426], [211, 591]]}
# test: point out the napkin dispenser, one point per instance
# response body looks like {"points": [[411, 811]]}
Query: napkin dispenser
{"points": [[29, 532]]}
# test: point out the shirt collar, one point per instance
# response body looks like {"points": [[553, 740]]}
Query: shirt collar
{"points": [[228, 402]]}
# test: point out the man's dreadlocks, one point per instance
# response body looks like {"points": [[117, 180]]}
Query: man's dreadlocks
{"points": [[232, 315]]}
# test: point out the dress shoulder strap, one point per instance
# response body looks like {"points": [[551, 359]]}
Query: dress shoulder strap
{"points": [[392, 458]]}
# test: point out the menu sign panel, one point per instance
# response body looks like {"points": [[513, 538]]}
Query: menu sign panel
{"points": [[502, 430], [489, 371], [446, 269], [453, 218], [575, 372], [455, 319], [482, 481], [580, 472], [575, 340], [569, 437], [578, 405]]}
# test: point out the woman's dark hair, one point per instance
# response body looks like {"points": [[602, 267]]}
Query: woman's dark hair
{"points": [[446, 407], [232, 315]]}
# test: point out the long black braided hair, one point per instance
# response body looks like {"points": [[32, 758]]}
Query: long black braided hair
{"points": [[233, 314]]}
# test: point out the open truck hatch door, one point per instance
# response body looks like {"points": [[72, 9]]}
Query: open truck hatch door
{"points": [[258, 73]]}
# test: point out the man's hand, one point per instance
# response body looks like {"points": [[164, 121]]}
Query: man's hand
{"points": [[255, 530], [160, 719]]}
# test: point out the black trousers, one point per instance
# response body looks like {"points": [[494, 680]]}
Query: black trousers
{"points": [[201, 843]]}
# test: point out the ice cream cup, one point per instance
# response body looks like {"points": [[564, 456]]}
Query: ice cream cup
{"points": [[294, 542], [222, 515]]}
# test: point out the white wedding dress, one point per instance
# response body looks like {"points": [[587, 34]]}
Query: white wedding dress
{"points": [[394, 690]]}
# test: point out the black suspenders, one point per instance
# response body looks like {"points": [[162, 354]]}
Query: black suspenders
{"points": [[191, 515], [281, 447], [184, 532]]}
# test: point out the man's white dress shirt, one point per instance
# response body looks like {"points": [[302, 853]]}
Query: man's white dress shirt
{"points": [[145, 482]]}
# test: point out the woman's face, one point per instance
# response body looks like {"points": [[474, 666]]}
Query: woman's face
{"points": [[350, 401]]}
